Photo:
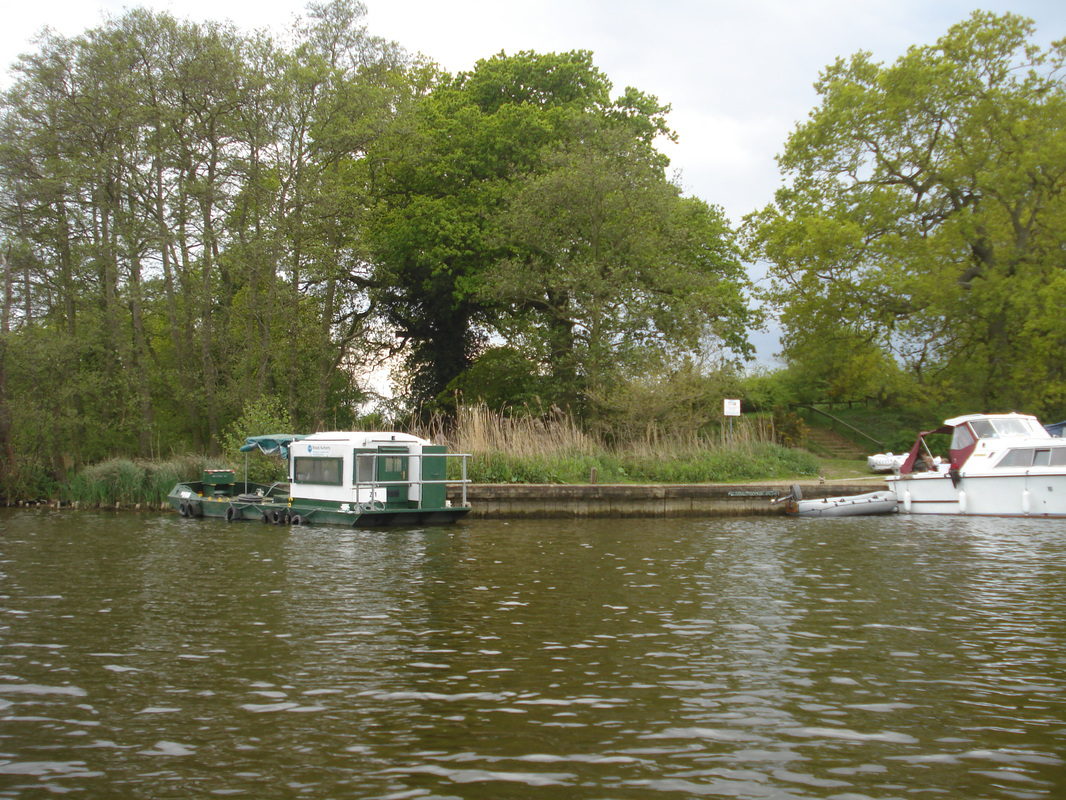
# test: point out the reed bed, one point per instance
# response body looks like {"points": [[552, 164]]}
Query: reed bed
{"points": [[553, 448], [121, 482]]}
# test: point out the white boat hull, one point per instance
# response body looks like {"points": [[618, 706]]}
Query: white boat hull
{"points": [[1019, 495]]}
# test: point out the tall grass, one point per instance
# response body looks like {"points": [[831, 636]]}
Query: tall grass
{"points": [[553, 448], [123, 482]]}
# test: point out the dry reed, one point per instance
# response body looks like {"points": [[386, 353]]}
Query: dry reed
{"points": [[554, 448]]}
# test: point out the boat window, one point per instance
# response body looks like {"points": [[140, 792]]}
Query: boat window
{"points": [[1012, 427], [326, 471], [983, 428], [1041, 458], [1017, 457], [961, 438], [1058, 457], [364, 468]]}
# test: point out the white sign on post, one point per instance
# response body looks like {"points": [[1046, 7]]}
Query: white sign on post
{"points": [[730, 407]]}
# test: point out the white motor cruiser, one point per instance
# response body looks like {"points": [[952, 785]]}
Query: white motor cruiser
{"points": [[999, 465]]}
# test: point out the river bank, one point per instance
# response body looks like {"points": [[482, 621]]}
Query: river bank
{"points": [[538, 501], [567, 501]]}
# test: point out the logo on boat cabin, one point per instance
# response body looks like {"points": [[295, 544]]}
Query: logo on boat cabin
{"points": [[319, 449]]}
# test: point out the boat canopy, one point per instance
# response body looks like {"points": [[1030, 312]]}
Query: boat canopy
{"points": [[907, 466], [271, 443], [967, 430]]}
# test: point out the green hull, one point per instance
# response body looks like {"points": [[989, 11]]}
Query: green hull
{"points": [[271, 505]]}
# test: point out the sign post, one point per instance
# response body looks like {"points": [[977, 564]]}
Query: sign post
{"points": [[731, 408]]}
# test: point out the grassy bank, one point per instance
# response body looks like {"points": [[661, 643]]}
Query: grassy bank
{"points": [[546, 449], [554, 449]]}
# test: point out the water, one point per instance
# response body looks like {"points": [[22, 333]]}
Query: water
{"points": [[156, 657]]}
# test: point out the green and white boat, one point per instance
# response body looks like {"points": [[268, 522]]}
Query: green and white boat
{"points": [[337, 478]]}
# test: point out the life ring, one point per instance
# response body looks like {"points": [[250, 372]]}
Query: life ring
{"points": [[183, 508], [231, 514], [296, 519]]}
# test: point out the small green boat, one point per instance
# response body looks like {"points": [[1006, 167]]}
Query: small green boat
{"points": [[337, 478]]}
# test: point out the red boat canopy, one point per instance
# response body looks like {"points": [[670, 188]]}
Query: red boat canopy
{"points": [[908, 465]]}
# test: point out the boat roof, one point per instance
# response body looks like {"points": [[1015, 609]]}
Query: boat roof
{"points": [[364, 438], [280, 443], [956, 421]]}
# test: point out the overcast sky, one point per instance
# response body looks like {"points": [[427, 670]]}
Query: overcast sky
{"points": [[737, 73]]}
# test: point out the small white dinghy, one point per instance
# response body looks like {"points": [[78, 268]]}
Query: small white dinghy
{"points": [[855, 505], [885, 462]]}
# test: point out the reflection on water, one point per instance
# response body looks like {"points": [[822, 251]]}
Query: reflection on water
{"points": [[152, 657]]}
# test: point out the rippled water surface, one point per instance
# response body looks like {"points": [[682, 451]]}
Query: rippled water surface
{"points": [[156, 657]]}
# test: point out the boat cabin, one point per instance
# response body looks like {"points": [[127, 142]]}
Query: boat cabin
{"points": [[354, 470], [992, 441]]}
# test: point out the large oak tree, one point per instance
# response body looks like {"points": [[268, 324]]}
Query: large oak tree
{"points": [[921, 225], [521, 202]]}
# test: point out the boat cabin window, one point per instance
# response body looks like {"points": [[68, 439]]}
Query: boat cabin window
{"points": [[325, 471], [1034, 457], [1017, 427], [364, 468], [394, 464], [1018, 457], [1002, 428], [961, 438]]}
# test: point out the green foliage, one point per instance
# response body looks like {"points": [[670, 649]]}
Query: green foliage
{"points": [[916, 247], [896, 427], [519, 200], [790, 429], [501, 378], [610, 269], [171, 236], [122, 482], [261, 417], [682, 399]]}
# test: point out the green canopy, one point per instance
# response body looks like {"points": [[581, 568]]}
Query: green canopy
{"points": [[271, 443]]}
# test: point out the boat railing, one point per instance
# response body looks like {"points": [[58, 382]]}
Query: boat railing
{"points": [[420, 481]]}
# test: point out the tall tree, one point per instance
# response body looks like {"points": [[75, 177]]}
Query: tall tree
{"points": [[922, 217], [168, 206], [611, 269], [486, 180]]}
